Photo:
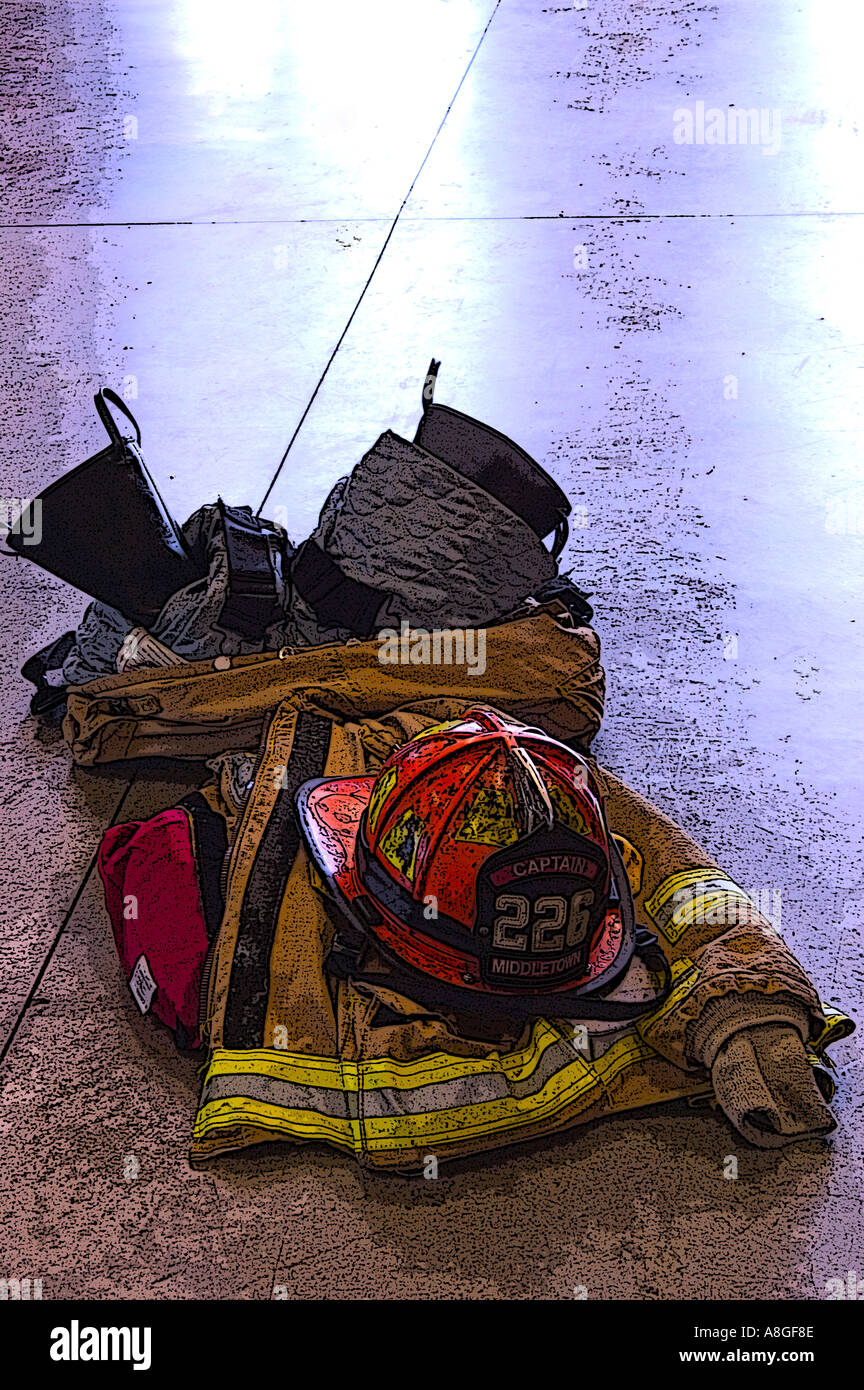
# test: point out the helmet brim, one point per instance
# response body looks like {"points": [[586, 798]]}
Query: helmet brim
{"points": [[330, 810]]}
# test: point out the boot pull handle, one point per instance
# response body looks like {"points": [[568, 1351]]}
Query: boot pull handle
{"points": [[429, 384], [101, 399]]}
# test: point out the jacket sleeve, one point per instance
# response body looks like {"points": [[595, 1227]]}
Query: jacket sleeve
{"points": [[731, 969]]}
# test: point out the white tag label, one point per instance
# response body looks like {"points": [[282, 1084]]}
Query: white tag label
{"points": [[142, 984]]}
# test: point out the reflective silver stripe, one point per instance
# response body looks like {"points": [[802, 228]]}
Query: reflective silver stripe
{"points": [[288, 1095], [382, 1102]]}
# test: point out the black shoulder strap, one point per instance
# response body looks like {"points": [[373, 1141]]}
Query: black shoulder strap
{"points": [[210, 843], [36, 668], [574, 599], [336, 600], [252, 603]]}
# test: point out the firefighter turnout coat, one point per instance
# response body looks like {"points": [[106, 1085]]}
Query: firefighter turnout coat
{"points": [[295, 1053]]}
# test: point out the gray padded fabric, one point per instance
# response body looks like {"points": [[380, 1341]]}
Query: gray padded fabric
{"points": [[443, 552], [449, 553], [99, 637]]}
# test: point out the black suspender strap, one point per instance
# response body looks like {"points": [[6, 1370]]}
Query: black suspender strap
{"points": [[336, 600], [249, 986], [210, 843], [252, 603]]}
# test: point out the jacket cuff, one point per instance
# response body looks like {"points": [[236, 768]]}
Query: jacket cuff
{"points": [[766, 1086], [727, 1014]]}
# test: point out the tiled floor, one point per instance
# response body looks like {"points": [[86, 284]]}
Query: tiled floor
{"points": [[196, 205]]}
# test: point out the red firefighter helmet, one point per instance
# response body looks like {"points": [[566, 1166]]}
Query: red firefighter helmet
{"points": [[479, 861]]}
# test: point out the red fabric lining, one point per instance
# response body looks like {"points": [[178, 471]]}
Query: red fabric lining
{"points": [[153, 898]]}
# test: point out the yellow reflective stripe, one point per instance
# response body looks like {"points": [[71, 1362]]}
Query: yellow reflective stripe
{"points": [[456, 1123], [683, 879], [837, 1025], [470, 1122], [572, 1082], [299, 1124], [409, 1133], [306, 1070], [493, 1117], [682, 899], [695, 909], [571, 1087], [443, 1066], [685, 973], [621, 1056]]}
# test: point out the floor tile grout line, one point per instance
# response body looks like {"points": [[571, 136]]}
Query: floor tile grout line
{"points": [[356, 219], [378, 260], [40, 974]]}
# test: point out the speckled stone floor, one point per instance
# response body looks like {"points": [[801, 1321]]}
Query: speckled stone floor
{"points": [[192, 206]]}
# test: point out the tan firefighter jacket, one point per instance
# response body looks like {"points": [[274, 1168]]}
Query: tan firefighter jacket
{"points": [[294, 1054]]}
